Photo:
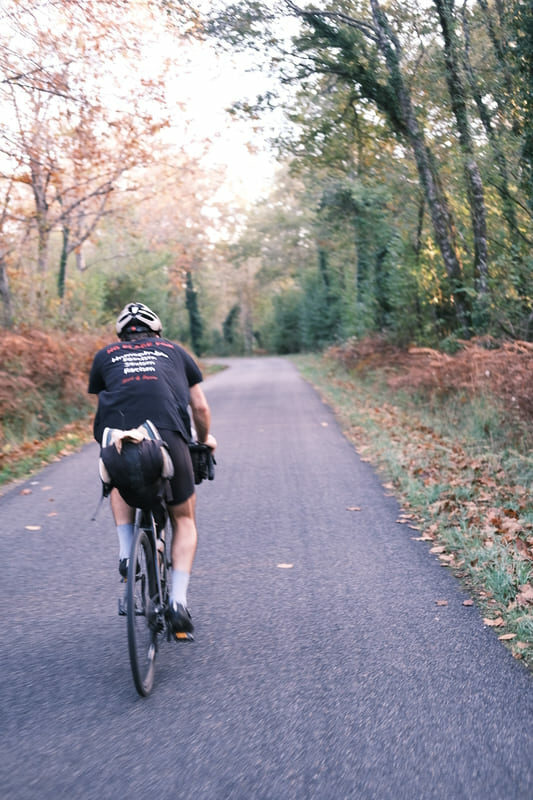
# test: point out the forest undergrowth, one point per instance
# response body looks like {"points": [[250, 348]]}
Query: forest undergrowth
{"points": [[451, 438]]}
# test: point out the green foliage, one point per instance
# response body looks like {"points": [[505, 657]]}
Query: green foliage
{"points": [[120, 290], [196, 326], [522, 61], [229, 326], [240, 25], [369, 211], [284, 333]]}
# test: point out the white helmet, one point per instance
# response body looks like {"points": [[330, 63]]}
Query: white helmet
{"points": [[137, 315]]}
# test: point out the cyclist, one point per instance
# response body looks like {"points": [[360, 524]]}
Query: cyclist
{"points": [[145, 376]]}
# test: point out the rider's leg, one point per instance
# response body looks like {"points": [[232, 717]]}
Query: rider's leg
{"points": [[123, 515], [184, 541]]}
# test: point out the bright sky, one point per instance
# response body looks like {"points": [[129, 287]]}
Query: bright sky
{"points": [[197, 95], [212, 83]]}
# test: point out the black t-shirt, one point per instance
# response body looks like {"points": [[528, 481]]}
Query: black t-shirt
{"points": [[143, 379]]}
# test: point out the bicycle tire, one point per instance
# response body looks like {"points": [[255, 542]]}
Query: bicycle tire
{"points": [[142, 593]]}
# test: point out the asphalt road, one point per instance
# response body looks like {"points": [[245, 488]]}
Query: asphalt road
{"points": [[322, 666]]}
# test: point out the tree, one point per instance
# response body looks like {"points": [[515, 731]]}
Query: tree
{"points": [[77, 136], [368, 53], [195, 320], [474, 181], [521, 61], [445, 88]]}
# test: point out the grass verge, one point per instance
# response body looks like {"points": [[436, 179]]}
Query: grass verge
{"points": [[462, 477], [22, 460]]}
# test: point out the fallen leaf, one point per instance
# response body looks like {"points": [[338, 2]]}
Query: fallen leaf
{"points": [[506, 636], [353, 508], [52, 514], [493, 623], [525, 595], [25, 491], [522, 548], [468, 602], [447, 559], [46, 488], [441, 602], [285, 566], [33, 527], [437, 549]]}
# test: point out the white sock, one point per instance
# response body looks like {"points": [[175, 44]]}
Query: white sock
{"points": [[180, 583], [125, 538]]}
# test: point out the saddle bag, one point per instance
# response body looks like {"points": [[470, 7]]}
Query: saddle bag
{"points": [[137, 463]]}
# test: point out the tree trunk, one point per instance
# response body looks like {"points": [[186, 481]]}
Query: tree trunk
{"points": [[5, 294], [499, 46], [80, 260], [502, 185], [474, 181], [427, 168], [63, 263]]}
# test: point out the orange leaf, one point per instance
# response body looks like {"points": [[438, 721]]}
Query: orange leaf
{"points": [[506, 636], [525, 595], [493, 623]]}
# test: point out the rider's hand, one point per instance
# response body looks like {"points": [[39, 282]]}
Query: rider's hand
{"points": [[210, 441]]}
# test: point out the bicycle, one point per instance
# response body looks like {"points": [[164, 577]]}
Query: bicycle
{"points": [[146, 597]]}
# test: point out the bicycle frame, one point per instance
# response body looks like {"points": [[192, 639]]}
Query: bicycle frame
{"points": [[146, 521]]}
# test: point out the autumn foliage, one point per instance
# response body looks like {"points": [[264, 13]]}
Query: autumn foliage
{"points": [[43, 383], [483, 367]]}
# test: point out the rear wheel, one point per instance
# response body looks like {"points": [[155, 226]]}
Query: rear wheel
{"points": [[141, 612]]}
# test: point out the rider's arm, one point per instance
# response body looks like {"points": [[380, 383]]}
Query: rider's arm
{"points": [[200, 413]]}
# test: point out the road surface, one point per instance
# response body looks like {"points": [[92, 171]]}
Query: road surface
{"points": [[322, 667]]}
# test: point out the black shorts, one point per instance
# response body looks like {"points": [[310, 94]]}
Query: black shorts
{"points": [[182, 484]]}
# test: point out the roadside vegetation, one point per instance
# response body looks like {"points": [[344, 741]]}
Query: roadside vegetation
{"points": [[453, 443], [44, 405]]}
